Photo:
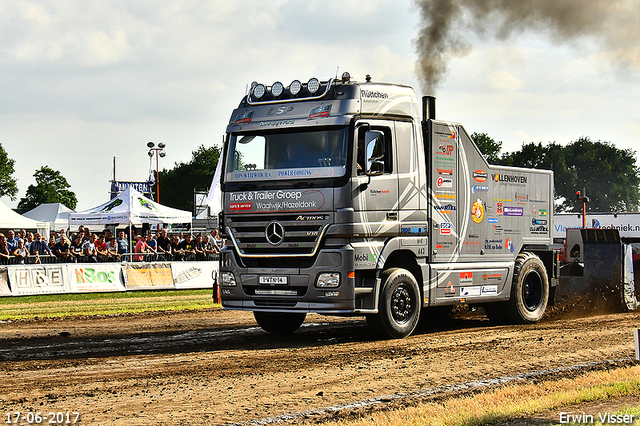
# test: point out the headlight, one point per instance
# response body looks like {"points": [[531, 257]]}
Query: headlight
{"points": [[295, 87], [227, 279], [313, 85], [328, 280], [277, 89], [259, 90]]}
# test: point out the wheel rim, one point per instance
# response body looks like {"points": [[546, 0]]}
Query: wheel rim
{"points": [[401, 304], [532, 291]]}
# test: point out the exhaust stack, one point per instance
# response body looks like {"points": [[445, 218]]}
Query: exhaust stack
{"points": [[428, 108]]}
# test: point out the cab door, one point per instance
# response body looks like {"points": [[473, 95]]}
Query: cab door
{"points": [[375, 195]]}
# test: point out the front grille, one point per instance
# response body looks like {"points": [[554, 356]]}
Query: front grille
{"points": [[301, 233]]}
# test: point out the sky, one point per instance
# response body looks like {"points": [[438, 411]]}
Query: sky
{"points": [[83, 82]]}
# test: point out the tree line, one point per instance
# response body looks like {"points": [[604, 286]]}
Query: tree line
{"points": [[608, 175]]}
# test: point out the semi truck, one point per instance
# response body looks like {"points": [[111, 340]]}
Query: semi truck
{"points": [[341, 198]]}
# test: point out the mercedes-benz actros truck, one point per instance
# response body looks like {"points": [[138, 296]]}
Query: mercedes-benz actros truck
{"points": [[341, 198]]}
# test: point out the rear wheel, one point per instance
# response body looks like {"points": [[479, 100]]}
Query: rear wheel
{"points": [[279, 322], [529, 291], [399, 305]]}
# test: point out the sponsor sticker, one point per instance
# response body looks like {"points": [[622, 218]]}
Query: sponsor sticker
{"points": [[479, 188], [445, 228], [512, 211], [243, 118], [444, 182], [466, 277], [470, 291], [480, 176], [477, 211], [320, 112], [489, 290]]}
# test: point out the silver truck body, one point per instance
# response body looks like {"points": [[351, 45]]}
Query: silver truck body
{"points": [[316, 235]]}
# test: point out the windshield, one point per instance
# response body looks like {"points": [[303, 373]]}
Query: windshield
{"points": [[290, 155]]}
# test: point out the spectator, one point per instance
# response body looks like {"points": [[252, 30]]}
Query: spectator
{"points": [[52, 241], [12, 241], [63, 231], [28, 242], [89, 251], [152, 247], [39, 248], [61, 249], [186, 248], [4, 250], [141, 247], [86, 234], [112, 250], [101, 249], [76, 249], [123, 243], [164, 245], [20, 253], [216, 241], [199, 248]]}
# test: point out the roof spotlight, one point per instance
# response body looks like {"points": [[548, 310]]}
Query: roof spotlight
{"points": [[313, 85], [346, 77], [277, 89], [295, 87], [259, 90]]}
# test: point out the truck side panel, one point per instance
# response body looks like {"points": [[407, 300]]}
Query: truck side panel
{"points": [[480, 215]]}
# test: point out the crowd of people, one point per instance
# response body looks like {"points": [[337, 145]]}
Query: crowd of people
{"points": [[83, 246]]}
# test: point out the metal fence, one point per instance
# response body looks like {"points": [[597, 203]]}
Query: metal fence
{"points": [[125, 257]]}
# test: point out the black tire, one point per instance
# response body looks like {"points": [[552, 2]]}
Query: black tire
{"points": [[399, 305], [529, 290], [279, 322]]}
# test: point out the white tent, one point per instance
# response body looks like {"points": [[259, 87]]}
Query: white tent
{"points": [[12, 220], [56, 214], [129, 207]]}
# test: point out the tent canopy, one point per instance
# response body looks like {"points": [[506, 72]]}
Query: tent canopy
{"points": [[12, 220], [129, 207], [55, 214]]}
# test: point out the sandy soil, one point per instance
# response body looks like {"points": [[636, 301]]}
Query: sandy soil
{"points": [[217, 367]]}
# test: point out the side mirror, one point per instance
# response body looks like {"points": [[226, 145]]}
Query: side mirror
{"points": [[375, 152]]}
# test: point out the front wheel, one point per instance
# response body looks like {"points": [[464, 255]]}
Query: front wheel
{"points": [[279, 322], [399, 305]]}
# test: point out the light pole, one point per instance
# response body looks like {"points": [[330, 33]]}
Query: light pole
{"points": [[159, 151]]}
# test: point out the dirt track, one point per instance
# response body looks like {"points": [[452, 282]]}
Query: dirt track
{"points": [[215, 367]]}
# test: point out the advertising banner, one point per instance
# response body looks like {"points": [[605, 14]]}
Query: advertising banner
{"points": [[37, 279], [4, 283], [194, 274], [89, 278], [627, 223], [147, 275]]}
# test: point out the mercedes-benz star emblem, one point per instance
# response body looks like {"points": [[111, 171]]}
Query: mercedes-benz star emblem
{"points": [[274, 233]]}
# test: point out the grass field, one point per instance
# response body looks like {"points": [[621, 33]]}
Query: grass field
{"points": [[504, 405], [64, 305]]}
